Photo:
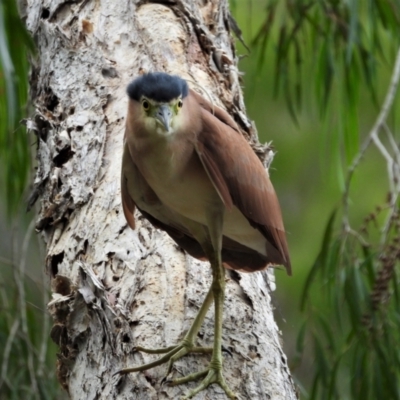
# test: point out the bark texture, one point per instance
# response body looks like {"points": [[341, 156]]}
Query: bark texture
{"points": [[114, 288]]}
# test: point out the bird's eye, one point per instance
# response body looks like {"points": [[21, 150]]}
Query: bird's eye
{"points": [[145, 105], [180, 104]]}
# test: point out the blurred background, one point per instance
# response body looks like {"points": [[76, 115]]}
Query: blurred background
{"points": [[315, 76]]}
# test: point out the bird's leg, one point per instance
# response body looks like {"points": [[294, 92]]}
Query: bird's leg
{"points": [[213, 374], [187, 345], [173, 353], [191, 334]]}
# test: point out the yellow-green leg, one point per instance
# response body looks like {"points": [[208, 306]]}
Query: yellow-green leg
{"points": [[212, 247], [211, 241], [173, 353], [213, 374]]}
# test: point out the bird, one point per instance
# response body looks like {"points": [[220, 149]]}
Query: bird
{"points": [[190, 172]]}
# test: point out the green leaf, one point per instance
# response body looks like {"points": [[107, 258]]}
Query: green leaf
{"points": [[15, 43], [263, 34], [301, 338], [389, 12], [355, 294], [326, 329], [368, 265], [321, 360], [281, 60], [321, 259], [361, 368], [332, 389], [315, 385], [353, 24]]}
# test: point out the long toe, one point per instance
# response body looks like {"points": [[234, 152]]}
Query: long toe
{"points": [[212, 375], [171, 354]]}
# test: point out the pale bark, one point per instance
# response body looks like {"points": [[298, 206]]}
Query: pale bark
{"points": [[114, 288]]}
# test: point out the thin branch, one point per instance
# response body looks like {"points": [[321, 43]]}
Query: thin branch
{"points": [[46, 316], [7, 351], [359, 237], [393, 143], [6, 261], [19, 280], [392, 212], [372, 137], [381, 147]]}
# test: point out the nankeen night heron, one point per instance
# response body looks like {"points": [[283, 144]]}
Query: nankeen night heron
{"points": [[190, 172]]}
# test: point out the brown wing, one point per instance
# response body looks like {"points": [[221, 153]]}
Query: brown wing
{"points": [[128, 204], [133, 185], [219, 113], [241, 179]]}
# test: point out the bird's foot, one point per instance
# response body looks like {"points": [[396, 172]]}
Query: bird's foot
{"points": [[172, 354], [213, 374]]}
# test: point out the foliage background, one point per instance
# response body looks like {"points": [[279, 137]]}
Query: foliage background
{"points": [[316, 96]]}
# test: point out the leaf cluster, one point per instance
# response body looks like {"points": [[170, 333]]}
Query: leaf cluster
{"points": [[355, 330], [15, 43], [328, 50], [27, 356]]}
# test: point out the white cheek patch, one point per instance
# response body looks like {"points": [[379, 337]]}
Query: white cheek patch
{"points": [[153, 127], [177, 122], [162, 132], [151, 124]]}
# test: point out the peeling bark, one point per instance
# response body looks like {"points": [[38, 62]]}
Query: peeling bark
{"points": [[114, 288]]}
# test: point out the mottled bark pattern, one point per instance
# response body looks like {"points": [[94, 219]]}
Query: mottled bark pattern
{"points": [[114, 288]]}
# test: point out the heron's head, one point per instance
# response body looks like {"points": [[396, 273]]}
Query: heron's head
{"points": [[161, 100]]}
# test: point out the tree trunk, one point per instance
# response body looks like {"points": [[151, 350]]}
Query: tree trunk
{"points": [[114, 288]]}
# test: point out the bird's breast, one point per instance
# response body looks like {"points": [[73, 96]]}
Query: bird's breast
{"points": [[175, 173]]}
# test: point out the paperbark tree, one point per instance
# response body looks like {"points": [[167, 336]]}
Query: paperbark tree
{"points": [[114, 288]]}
